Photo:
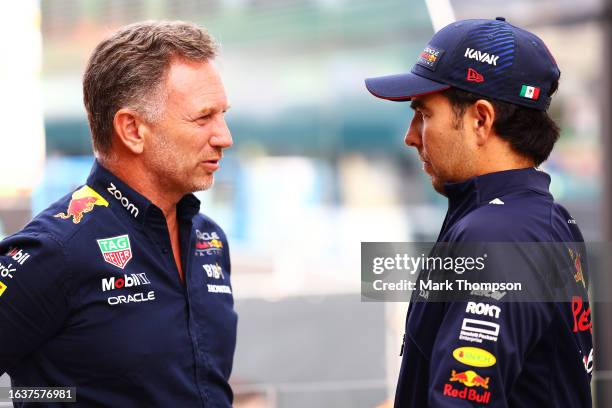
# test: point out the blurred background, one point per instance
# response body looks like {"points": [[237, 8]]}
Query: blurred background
{"points": [[318, 164]]}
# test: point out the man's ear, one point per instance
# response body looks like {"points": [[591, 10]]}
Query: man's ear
{"points": [[130, 129], [483, 116]]}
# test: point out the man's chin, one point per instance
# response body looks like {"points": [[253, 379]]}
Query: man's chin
{"points": [[438, 185], [204, 184]]}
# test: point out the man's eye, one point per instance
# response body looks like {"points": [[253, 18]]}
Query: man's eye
{"points": [[203, 118]]}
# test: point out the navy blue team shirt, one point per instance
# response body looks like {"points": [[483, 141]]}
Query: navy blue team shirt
{"points": [[530, 354], [90, 297]]}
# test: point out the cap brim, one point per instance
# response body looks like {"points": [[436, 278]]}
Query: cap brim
{"points": [[402, 87]]}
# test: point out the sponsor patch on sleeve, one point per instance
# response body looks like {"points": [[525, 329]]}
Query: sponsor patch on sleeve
{"points": [[468, 385], [474, 356]]}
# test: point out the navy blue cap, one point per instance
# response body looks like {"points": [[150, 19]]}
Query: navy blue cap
{"points": [[492, 58]]}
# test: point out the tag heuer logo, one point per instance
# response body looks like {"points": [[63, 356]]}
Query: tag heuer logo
{"points": [[116, 250]]}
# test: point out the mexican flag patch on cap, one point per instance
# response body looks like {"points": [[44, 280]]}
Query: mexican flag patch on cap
{"points": [[530, 92]]}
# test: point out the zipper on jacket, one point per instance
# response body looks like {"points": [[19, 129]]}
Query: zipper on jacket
{"points": [[402, 349]]}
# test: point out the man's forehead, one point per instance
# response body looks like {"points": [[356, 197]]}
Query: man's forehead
{"points": [[196, 81]]}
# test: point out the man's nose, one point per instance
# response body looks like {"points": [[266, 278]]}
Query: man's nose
{"points": [[222, 137], [413, 135]]}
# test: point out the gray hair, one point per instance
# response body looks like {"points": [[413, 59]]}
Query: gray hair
{"points": [[128, 70]]}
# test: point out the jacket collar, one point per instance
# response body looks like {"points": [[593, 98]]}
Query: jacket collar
{"points": [[487, 187], [466, 196]]}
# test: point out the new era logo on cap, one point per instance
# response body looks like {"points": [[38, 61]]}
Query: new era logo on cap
{"points": [[474, 76]]}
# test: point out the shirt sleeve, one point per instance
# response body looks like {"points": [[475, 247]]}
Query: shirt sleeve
{"points": [[33, 303], [484, 338], [480, 350]]}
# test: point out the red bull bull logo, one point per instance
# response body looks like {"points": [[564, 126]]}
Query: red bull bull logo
{"points": [[209, 244], [579, 275], [471, 381], [83, 201], [470, 378]]}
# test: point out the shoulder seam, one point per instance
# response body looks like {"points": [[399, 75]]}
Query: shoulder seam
{"points": [[69, 271]]}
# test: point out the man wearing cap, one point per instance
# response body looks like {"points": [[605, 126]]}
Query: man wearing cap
{"points": [[121, 289], [480, 91]]}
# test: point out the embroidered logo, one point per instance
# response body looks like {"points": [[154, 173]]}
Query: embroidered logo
{"points": [[116, 250], [474, 76], [481, 56], [83, 201], [430, 57]]}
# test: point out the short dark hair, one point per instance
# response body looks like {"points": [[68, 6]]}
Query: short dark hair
{"points": [[128, 69], [530, 132]]}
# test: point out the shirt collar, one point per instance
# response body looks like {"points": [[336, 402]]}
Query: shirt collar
{"points": [[127, 202], [487, 187]]}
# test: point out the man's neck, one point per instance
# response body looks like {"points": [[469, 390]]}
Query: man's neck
{"points": [[497, 167], [501, 159], [148, 185]]}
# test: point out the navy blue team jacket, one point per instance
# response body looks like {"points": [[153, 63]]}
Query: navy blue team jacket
{"points": [[90, 297], [536, 354]]}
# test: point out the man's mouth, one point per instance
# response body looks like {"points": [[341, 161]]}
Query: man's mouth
{"points": [[212, 164]]}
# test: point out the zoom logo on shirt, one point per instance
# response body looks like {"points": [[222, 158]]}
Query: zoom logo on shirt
{"points": [[132, 209]]}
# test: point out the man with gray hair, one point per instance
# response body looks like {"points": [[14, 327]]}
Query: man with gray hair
{"points": [[121, 289]]}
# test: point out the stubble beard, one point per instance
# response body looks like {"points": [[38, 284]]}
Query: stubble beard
{"points": [[165, 163], [460, 168], [204, 184]]}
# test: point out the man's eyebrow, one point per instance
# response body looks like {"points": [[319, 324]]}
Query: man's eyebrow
{"points": [[209, 109], [417, 104]]}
